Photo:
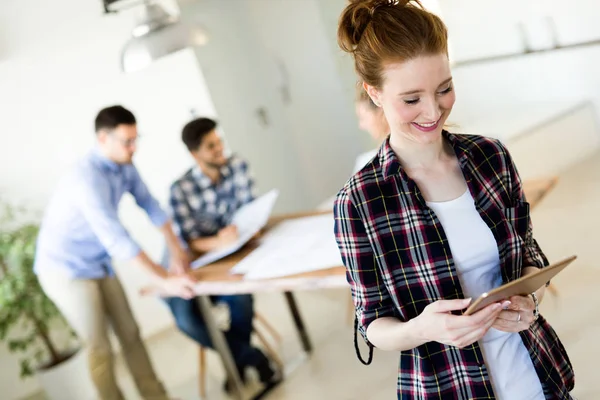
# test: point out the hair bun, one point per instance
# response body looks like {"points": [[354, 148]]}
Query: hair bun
{"points": [[356, 17]]}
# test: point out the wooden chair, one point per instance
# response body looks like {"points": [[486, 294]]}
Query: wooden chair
{"points": [[261, 325]]}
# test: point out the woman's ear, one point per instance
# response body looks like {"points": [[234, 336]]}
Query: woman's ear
{"points": [[373, 94]]}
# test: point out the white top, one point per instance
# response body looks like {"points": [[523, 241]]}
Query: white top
{"points": [[477, 262]]}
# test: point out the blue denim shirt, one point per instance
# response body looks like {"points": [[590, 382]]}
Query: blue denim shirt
{"points": [[81, 233]]}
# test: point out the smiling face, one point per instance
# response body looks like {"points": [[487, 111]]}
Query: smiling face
{"points": [[210, 153], [417, 97]]}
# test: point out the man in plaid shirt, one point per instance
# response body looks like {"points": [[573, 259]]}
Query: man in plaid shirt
{"points": [[202, 203]]}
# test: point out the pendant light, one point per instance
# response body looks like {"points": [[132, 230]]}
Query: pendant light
{"points": [[157, 34]]}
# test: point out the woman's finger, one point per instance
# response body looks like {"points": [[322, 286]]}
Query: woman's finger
{"points": [[482, 316], [509, 315], [476, 334], [507, 326], [460, 327], [514, 321], [522, 303]]}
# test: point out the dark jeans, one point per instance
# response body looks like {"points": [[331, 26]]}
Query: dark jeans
{"points": [[190, 321]]}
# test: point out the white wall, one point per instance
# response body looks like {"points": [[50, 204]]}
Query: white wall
{"points": [[59, 64], [330, 11], [543, 151], [531, 83], [320, 115]]}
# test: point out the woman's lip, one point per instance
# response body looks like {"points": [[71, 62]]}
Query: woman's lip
{"points": [[426, 128]]}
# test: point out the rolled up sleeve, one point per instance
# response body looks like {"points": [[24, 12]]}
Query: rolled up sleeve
{"points": [[146, 201], [94, 202], [371, 298]]}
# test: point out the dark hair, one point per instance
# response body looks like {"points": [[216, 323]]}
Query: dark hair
{"points": [[111, 117], [194, 131], [377, 32]]}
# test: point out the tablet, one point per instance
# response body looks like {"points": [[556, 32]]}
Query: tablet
{"points": [[522, 286]]}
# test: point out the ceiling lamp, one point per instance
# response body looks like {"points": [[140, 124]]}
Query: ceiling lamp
{"points": [[157, 34]]}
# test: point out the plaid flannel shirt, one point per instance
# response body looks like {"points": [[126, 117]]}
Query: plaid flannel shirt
{"points": [[398, 261], [200, 208]]}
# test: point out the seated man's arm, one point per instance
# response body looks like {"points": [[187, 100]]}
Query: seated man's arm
{"points": [[225, 236], [186, 227]]}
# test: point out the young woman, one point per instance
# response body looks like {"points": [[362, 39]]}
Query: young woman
{"points": [[435, 220]]}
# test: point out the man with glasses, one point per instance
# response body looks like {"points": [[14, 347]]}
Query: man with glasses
{"points": [[80, 235]]}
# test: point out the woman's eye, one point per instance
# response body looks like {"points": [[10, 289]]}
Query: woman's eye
{"points": [[447, 90]]}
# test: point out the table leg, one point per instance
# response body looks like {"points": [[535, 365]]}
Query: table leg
{"points": [[307, 346], [221, 346]]}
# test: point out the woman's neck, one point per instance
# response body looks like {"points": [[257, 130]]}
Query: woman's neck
{"points": [[413, 155]]}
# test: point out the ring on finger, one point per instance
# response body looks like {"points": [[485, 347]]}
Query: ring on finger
{"points": [[518, 317]]}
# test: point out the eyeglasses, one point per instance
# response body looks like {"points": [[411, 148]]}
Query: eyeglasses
{"points": [[127, 142]]}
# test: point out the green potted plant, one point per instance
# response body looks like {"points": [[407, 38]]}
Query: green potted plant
{"points": [[30, 324]]}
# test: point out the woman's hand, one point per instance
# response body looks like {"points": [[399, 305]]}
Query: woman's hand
{"points": [[436, 323], [518, 317]]}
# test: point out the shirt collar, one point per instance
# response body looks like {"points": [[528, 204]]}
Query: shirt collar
{"points": [[390, 165], [204, 181], [104, 162]]}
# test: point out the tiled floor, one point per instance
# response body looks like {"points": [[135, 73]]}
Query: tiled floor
{"points": [[566, 222]]}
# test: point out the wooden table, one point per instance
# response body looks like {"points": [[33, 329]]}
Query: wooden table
{"points": [[215, 279]]}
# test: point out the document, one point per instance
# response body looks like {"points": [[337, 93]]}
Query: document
{"points": [[293, 247], [249, 220]]}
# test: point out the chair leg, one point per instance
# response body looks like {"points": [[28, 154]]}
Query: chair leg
{"points": [[269, 349], [268, 327], [202, 372]]}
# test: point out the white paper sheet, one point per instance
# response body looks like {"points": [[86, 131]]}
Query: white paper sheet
{"points": [[294, 246], [249, 219]]}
